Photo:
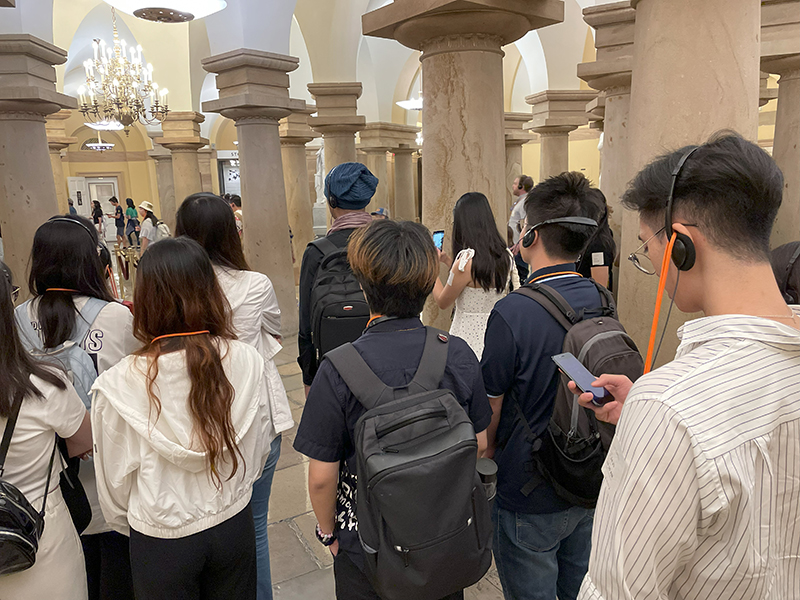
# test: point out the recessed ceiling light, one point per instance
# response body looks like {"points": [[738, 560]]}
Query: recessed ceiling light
{"points": [[168, 11]]}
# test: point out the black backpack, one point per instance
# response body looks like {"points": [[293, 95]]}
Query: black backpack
{"points": [[423, 516], [21, 526], [339, 310], [570, 454]]}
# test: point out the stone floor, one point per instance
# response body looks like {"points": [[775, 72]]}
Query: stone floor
{"points": [[301, 566]]}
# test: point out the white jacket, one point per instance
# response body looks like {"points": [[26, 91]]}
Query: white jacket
{"points": [[257, 319], [151, 474]]}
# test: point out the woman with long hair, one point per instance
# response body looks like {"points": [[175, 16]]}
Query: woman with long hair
{"points": [[70, 290], [48, 406], [97, 216], [597, 259], [132, 222], [208, 220], [482, 273], [148, 232], [182, 431]]}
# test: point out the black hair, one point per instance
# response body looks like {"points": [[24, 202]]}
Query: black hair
{"points": [[64, 255], [730, 188], [785, 266], [113, 200], [474, 227], [129, 202], [148, 214], [236, 200], [207, 219], [16, 364], [525, 183], [602, 232], [569, 194], [97, 210]]}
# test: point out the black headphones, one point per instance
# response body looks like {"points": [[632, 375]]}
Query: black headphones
{"points": [[683, 252], [531, 233], [74, 222]]}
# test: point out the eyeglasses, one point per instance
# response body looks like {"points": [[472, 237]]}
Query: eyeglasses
{"points": [[640, 258], [14, 293]]}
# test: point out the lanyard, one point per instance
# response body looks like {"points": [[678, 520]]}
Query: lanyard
{"points": [[172, 335], [379, 319]]}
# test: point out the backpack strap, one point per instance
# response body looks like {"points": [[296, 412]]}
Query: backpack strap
{"points": [[553, 302], [606, 298], [433, 362], [87, 315], [25, 326], [362, 381], [325, 246], [9, 431]]}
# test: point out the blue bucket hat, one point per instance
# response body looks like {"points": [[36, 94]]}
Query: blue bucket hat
{"points": [[351, 184]]}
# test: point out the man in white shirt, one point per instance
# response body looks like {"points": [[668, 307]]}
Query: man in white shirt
{"points": [[522, 185], [701, 497]]}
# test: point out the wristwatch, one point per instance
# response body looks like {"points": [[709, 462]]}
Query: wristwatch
{"points": [[326, 539]]}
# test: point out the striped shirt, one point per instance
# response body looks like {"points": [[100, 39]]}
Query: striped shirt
{"points": [[701, 497]]}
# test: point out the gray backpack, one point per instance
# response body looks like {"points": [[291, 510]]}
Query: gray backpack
{"points": [[571, 452], [77, 363], [423, 516]]}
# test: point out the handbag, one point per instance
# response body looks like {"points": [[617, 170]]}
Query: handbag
{"points": [[21, 526], [72, 489]]}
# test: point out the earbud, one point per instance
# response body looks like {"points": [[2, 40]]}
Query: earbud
{"points": [[333, 202]]}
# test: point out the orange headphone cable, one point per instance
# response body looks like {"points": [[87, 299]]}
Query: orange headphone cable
{"points": [[662, 282], [172, 335]]}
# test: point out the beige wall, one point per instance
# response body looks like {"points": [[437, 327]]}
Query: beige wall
{"points": [[583, 156]]}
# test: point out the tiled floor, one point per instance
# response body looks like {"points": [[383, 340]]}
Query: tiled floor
{"points": [[301, 566]]}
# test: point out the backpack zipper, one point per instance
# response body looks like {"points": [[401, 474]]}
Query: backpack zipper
{"points": [[439, 412], [389, 471], [405, 551]]}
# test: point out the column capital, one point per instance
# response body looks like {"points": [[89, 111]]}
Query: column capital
{"points": [[515, 134], [252, 84], [29, 79], [613, 24], [181, 131], [387, 137], [336, 108], [765, 94], [596, 111], [558, 111], [294, 129], [57, 138], [780, 30], [415, 23]]}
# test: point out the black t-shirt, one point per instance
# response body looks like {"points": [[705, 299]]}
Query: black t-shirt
{"points": [[597, 254], [119, 216], [393, 350]]}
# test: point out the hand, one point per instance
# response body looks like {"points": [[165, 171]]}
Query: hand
{"points": [[334, 547], [616, 385], [444, 258], [489, 452], [307, 389]]}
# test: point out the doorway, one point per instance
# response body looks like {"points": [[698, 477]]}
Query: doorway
{"points": [[101, 189]]}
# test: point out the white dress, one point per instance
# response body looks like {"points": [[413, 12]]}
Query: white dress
{"points": [[473, 305]]}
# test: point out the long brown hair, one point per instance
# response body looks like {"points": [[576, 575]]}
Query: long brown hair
{"points": [[209, 220], [177, 292]]}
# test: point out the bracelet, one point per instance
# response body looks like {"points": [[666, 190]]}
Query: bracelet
{"points": [[326, 539]]}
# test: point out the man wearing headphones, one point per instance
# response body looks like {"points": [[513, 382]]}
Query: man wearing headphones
{"points": [[541, 542], [522, 186], [700, 496]]}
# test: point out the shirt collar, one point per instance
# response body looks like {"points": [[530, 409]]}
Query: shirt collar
{"points": [[552, 269], [706, 329], [395, 325]]}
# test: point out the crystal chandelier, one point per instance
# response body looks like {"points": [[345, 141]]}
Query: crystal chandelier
{"points": [[119, 88]]}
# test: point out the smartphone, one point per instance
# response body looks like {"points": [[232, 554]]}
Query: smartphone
{"points": [[438, 238], [574, 370]]}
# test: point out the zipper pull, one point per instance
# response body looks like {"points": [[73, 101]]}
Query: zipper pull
{"points": [[404, 552], [391, 450]]}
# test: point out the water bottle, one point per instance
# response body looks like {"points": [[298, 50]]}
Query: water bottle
{"points": [[487, 469]]}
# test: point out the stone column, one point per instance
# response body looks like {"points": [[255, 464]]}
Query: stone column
{"points": [[165, 182], [295, 134], [555, 114], [254, 92], [780, 54], [204, 157], [27, 187], [515, 137], [678, 43], [337, 120], [611, 73], [462, 87], [376, 140], [57, 140], [181, 136], [405, 205]]}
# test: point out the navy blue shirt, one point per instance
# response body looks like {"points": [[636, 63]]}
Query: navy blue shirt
{"points": [[521, 337], [392, 349]]}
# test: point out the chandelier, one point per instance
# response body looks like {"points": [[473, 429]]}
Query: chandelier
{"points": [[121, 89]]}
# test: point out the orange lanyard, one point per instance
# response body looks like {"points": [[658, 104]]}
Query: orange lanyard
{"points": [[62, 290], [372, 319], [555, 274], [172, 335]]}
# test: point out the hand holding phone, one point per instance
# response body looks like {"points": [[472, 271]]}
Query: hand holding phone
{"points": [[574, 370], [438, 238]]}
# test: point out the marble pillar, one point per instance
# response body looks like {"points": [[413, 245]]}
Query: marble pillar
{"points": [[254, 92], [337, 120], [674, 102], [295, 134], [376, 139], [405, 206], [27, 187], [57, 141], [515, 138], [181, 136], [462, 87], [555, 114], [780, 54], [611, 73], [204, 161], [165, 183]]}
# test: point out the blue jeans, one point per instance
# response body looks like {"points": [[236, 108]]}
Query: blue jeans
{"points": [[260, 504], [539, 557]]}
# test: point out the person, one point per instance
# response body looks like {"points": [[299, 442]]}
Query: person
{"points": [[182, 430], [119, 220], [148, 233], [132, 223], [66, 273], [235, 202], [396, 264], [49, 407], [72, 210], [787, 274], [97, 217], [519, 190], [597, 259], [700, 492], [380, 213], [348, 188], [482, 273], [206, 219], [541, 542]]}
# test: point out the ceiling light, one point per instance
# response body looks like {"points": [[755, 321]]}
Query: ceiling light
{"points": [[169, 11], [105, 126], [100, 145], [412, 104]]}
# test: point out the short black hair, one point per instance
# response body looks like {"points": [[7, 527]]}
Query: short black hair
{"points": [[569, 194], [235, 199], [730, 188], [113, 200]]}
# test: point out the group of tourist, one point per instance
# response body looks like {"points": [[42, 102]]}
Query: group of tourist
{"points": [[176, 409]]}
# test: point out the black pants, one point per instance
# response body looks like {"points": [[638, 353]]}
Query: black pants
{"points": [[352, 583], [215, 564], [108, 566]]}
